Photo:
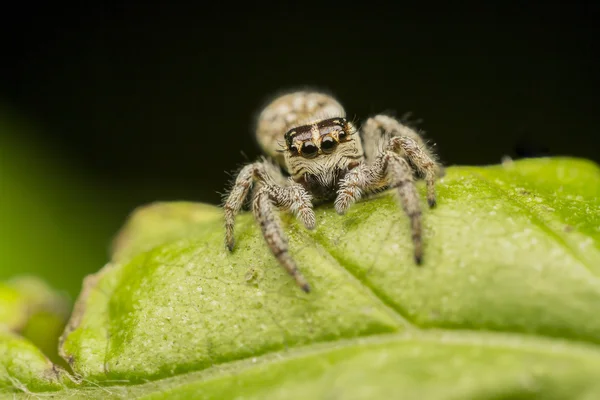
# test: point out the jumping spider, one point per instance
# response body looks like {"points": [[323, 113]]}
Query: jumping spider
{"points": [[326, 160]]}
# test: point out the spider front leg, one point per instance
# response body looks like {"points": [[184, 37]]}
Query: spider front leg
{"points": [[421, 160], [405, 141], [272, 190], [292, 197], [270, 224], [388, 170]]}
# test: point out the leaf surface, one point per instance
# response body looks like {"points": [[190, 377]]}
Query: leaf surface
{"points": [[504, 306], [31, 318]]}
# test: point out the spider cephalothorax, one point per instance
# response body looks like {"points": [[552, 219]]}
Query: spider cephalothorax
{"points": [[308, 135], [319, 154]]}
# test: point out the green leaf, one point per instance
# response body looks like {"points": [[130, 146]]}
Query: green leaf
{"points": [[504, 306], [32, 317], [24, 369]]}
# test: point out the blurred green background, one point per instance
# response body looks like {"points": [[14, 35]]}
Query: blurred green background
{"points": [[105, 106], [55, 223]]}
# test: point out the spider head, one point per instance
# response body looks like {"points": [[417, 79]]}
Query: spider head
{"points": [[319, 138], [322, 149]]}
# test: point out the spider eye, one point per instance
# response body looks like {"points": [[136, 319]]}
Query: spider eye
{"points": [[328, 144], [309, 150], [293, 149], [342, 135]]}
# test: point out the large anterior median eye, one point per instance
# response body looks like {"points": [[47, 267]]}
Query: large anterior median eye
{"points": [[328, 144], [309, 149], [293, 149]]}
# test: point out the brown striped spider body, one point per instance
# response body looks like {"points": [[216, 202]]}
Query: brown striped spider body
{"points": [[327, 158]]}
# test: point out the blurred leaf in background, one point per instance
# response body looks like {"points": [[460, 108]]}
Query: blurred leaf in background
{"points": [[29, 307]]}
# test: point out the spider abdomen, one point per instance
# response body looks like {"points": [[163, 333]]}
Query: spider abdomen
{"points": [[291, 110]]}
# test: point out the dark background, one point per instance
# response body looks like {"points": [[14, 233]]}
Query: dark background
{"points": [[156, 102], [164, 95]]}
